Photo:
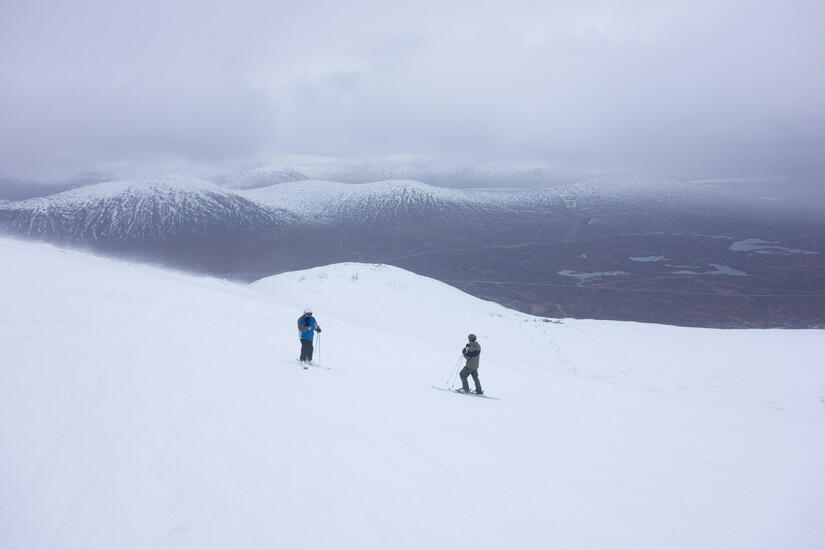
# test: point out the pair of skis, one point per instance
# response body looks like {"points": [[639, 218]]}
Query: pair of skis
{"points": [[306, 365], [462, 392]]}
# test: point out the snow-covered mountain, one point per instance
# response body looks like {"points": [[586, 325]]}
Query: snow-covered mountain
{"points": [[368, 202], [392, 199], [625, 191], [260, 177], [617, 194], [434, 171], [146, 409], [171, 205], [160, 207]]}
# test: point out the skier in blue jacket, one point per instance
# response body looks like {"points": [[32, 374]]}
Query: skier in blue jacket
{"points": [[307, 327]]}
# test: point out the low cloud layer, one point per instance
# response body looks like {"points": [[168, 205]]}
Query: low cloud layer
{"points": [[712, 89]]}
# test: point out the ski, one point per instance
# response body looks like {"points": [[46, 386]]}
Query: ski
{"points": [[307, 365], [470, 394]]}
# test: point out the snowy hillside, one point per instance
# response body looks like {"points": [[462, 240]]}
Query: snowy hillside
{"points": [[162, 206], [147, 409], [366, 202], [625, 190], [260, 177], [396, 199], [518, 185], [445, 172]]}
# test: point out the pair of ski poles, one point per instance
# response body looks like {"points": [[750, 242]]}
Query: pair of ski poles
{"points": [[454, 374]]}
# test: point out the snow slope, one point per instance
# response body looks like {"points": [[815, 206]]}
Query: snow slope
{"points": [[147, 409], [365, 202], [396, 199], [393, 199]]}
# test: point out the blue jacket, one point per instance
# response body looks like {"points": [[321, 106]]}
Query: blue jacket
{"points": [[306, 327]]}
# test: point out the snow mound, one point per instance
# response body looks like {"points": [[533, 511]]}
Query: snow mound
{"points": [[380, 295]]}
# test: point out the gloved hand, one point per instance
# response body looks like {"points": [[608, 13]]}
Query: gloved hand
{"points": [[317, 329]]}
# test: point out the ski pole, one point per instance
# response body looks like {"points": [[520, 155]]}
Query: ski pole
{"points": [[319, 348], [454, 372]]}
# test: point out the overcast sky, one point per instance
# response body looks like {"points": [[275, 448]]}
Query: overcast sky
{"points": [[684, 88]]}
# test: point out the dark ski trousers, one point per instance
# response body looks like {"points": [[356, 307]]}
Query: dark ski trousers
{"points": [[306, 350], [465, 372]]}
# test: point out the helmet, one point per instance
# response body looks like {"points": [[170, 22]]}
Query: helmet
{"points": [[307, 310], [471, 337]]}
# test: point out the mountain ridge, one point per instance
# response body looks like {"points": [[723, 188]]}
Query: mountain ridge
{"points": [[170, 204], [162, 206]]}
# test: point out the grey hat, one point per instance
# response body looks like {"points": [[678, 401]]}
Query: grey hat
{"points": [[471, 337]]}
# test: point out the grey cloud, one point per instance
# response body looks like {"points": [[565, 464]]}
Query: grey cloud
{"points": [[723, 88]]}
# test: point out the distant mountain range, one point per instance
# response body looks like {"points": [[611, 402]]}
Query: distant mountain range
{"points": [[170, 205], [565, 249]]}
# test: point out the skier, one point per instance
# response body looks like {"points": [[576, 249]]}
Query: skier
{"points": [[307, 327], [471, 352]]}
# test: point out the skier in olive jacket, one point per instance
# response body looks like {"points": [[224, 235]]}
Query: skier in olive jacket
{"points": [[307, 327], [471, 352]]}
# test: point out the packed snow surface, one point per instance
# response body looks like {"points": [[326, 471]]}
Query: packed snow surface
{"points": [[142, 408]]}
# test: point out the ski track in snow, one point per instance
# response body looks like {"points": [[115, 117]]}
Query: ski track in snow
{"points": [[142, 408]]}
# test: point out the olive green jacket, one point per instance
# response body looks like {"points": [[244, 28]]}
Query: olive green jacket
{"points": [[471, 352]]}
